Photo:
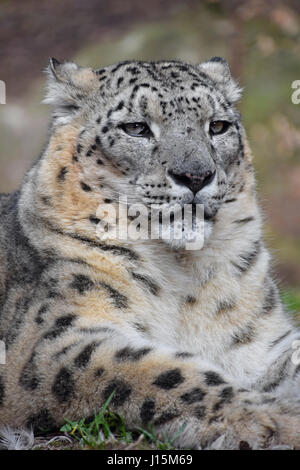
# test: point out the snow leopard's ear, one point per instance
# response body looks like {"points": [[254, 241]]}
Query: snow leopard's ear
{"points": [[68, 86], [218, 70]]}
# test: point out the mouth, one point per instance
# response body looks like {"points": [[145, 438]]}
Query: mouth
{"points": [[208, 215]]}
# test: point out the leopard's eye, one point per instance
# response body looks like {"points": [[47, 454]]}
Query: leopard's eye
{"points": [[137, 129], [218, 127]]}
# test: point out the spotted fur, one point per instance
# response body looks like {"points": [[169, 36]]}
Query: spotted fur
{"points": [[193, 340]]}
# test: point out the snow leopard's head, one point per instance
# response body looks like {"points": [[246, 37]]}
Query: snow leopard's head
{"points": [[160, 133]]}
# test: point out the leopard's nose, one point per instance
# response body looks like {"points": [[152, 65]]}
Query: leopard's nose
{"points": [[195, 182]]}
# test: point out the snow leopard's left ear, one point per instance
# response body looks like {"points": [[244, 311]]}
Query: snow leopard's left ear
{"points": [[68, 86], [218, 70]]}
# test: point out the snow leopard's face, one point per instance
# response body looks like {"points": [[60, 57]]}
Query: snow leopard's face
{"points": [[161, 134]]}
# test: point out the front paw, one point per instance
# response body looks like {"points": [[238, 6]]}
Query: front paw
{"points": [[262, 427], [249, 426]]}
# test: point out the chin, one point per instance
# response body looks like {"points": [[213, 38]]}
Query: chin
{"points": [[191, 240]]}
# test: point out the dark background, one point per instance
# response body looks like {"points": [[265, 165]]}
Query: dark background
{"points": [[260, 40]]}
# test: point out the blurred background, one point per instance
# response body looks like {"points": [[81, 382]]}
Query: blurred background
{"points": [[260, 40]]}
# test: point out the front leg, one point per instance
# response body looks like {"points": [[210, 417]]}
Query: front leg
{"points": [[151, 386]]}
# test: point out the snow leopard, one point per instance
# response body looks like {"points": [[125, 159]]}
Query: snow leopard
{"points": [[194, 344]]}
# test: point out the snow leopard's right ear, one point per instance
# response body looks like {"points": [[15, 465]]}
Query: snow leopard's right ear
{"points": [[67, 88], [218, 70]]}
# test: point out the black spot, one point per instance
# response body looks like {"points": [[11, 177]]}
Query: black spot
{"points": [[226, 396], [84, 356], [42, 310], [97, 140], [61, 325], [120, 250], [53, 294], [82, 283], [270, 300], [62, 174], [41, 422], [215, 419], [281, 374], [28, 378], [148, 282], [46, 200], [230, 200], [64, 385], [121, 390], [88, 153], [166, 417], [107, 201], [94, 219], [118, 299], [120, 80], [65, 350], [244, 221], [130, 354], [212, 378], [170, 379], [189, 299], [104, 129], [147, 410], [21, 307], [2, 390], [99, 161], [96, 329], [281, 338], [140, 327], [85, 186], [193, 396], [100, 371], [79, 148], [224, 306], [244, 336], [200, 412], [248, 259], [183, 355], [133, 70]]}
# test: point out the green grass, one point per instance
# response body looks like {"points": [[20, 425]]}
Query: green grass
{"points": [[291, 300], [107, 430], [96, 433]]}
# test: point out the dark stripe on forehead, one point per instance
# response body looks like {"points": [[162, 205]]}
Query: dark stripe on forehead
{"points": [[119, 65], [211, 101]]}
